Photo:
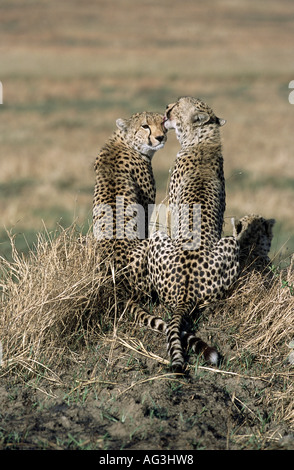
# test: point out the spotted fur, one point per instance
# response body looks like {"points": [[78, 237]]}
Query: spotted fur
{"points": [[186, 275], [183, 278], [124, 177], [254, 234], [125, 181]]}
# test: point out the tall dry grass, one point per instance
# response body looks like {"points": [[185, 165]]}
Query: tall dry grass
{"points": [[58, 300], [259, 320], [53, 300], [260, 310]]}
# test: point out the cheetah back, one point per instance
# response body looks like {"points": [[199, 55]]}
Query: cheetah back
{"points": [[125, 183]]}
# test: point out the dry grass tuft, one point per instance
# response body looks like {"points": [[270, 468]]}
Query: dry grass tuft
{"points": [[55, 298], [258, 318], [260, 311]]}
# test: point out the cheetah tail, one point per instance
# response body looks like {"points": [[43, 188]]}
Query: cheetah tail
{"points": [[147, 319], [198, 346]]}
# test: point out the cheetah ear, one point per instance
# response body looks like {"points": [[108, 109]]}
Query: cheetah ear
{"points": [[220, 121], [200, 118], [122, 124], [238, 227]]}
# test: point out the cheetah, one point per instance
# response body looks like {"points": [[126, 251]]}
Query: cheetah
{"points": [[183, 274], [124, 191], [198, 177], [125, 182], [178, 266], [254, 234]]}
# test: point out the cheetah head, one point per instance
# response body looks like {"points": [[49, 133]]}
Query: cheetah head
{"points": [[254, 234], [192, 119], [143, 132]]}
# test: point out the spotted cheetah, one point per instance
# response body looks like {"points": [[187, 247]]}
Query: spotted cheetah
{"points": [[124, 190], [187, 274], [254, 234], [192, 276], [125, 186], [197, 177]]}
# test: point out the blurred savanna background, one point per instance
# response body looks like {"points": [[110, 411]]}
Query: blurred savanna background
{"points": [[69, 69]]}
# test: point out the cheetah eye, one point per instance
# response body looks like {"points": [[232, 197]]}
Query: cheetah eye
{"points": [[145, 126]]}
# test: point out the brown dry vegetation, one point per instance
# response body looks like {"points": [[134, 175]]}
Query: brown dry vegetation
{"points": [[70, 351], [75, 374]]}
